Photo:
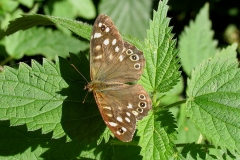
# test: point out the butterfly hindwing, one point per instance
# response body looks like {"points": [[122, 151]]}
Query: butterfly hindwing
{"points": [[121, 113]]}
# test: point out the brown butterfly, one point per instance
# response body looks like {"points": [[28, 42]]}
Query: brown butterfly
{"points": [[113, 64]]}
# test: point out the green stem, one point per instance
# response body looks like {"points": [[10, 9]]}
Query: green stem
{"points": [[6, 61], [154, 98], [175, 104], [200, 139], [203, 145]]}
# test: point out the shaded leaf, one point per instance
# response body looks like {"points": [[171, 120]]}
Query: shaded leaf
{"points": [[49, 97]]}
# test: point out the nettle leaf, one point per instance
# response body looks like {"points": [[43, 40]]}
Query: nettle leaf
{"points": [[73, 8], [157, 132], [196, 42], [49, 97], [194, 151], [213, 102], [18, 143], [161, 71], [42, 41], [105, 136], [229, 53], [131, 14], [130, 152], [31, 20]]}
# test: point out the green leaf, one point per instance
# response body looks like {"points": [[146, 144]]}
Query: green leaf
{"points": [[49, 97], [196, 42], [213, 102], [126, 152], [84, 8], [63, 9], [187, 132], [194, 151], [73, 8], [28, 3], [31, 20], [161, 71], [172, 95], [229, 53], [8, 5], [42, 41], [105, 135], [133, 19], [74, 150], [18, 143], [157, 133]]}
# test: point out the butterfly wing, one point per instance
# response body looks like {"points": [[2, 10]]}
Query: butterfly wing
{"points": [[112, 59], [121, 108], [113, 63]]}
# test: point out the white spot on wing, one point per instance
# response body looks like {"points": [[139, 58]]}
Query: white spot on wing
{"points": [[107, 29], [100, 24], [119, 119], [98, 57], [124, 129], [127, 119], [116, 49], [112, 124], [106, 41], [118, 133], [109, 115], [107, 107], [128, 114], [97, 35], [110, 57], [121, 58], [114, 41], [135, 113], [98, 47], [129, 105]]}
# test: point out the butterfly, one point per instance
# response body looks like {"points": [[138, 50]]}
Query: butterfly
{"points": [[114, 64]]}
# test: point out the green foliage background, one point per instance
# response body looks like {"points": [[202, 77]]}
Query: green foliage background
{"points": [[195, 114]]}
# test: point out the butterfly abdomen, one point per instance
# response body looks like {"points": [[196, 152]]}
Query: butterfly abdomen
{"points": [[98, 86]]}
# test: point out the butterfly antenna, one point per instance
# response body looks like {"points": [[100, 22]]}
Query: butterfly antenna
{"points": [[85, 98], [84, 79], [80, 73]]}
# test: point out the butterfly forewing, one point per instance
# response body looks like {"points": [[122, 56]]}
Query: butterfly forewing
{"points": [[105, 42], [113, 63]]}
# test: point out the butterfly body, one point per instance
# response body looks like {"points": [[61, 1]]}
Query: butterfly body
{"points": [[113, 65], [98, 86]]}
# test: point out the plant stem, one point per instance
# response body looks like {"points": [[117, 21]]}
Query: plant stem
{"points": [[203, 145], [175, 104], [200, 139], [154, 98], [5, 61]]}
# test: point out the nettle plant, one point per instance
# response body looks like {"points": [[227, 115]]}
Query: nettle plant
{"points": [[42, 114]]}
